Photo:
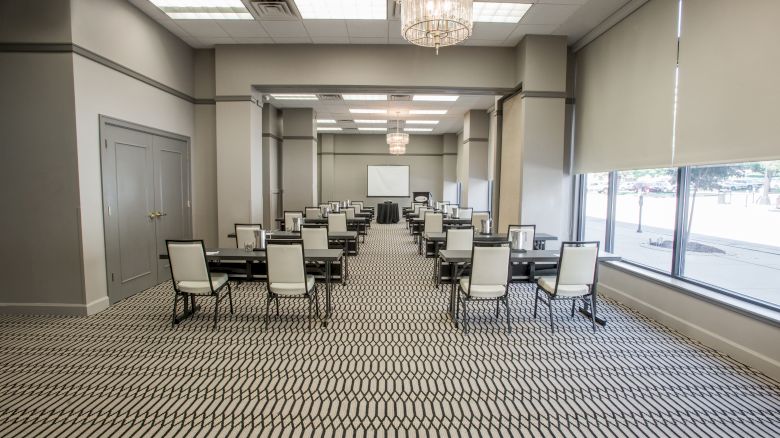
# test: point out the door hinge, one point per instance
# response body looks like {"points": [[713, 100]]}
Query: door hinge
{"points": [[189, 204]]}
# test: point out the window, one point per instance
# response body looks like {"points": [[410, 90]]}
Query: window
{"points": [[596, 188], [732, 229], [645, 206], [727, 240]]}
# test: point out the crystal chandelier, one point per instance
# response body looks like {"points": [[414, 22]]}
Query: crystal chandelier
{"points": [[436, 23], [397, 140]]}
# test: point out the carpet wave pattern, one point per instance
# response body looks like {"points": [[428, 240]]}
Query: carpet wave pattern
{"points": [[390, 363]]}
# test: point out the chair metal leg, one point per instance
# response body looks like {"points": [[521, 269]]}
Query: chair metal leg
{"points": [[230, 298], [216, 311], [277, 306], [549, 306], [497, 305], [465, 320], [267, 308], [573, 305], [536, 301], [508, 320], [175, 302], [593, 310]]}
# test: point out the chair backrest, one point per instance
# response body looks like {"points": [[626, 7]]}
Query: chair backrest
{"points": [[337, 222], [433, 222], [350, 212], [417, 208], [315, 237], [334, 205], [489, 265], [423, 210], [528, 233], [358, 206], [187, 261], [285, 263], [578, 263], [288, 219], [245, 233], [477, 218], [459, 238], [465, 213], [312, 212]]}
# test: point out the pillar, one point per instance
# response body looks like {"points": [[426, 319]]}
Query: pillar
{"points": [[299, 159]]}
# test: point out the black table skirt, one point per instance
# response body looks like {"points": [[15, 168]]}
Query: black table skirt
{"points": [[387, 213]]}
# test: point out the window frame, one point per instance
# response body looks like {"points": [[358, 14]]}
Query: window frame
{"points": [[677, 269]]}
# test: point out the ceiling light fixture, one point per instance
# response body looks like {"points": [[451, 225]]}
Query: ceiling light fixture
{"points": [[364, 96], [204, 9], [422, 122], [397, 140], [436, 23], [326, 121], [372, 129], [428, 112], [328, 128], [418, 129], [434, 98], [367, 111], [342, 9], [294, 96], [376, 122], [499, 12]]}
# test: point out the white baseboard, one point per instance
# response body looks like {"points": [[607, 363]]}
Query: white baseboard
{"points": [[61, 309], [707, 337]]}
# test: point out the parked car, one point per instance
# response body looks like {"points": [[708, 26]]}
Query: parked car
{"points": [[741, 184]]}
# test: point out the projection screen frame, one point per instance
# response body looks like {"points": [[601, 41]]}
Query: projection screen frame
{"points": [[408, 182]]}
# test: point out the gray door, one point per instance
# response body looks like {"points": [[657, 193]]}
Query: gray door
{"points": [[171, 195], [146, 200]]}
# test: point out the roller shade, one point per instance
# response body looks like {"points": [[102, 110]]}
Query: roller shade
{"points": [[625, 93], [729, 88]]}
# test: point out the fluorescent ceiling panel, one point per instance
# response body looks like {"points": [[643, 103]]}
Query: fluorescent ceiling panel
{"points": [[342, 9], [367, 111], [204, 9], [418, 129], [422, 122], [294, 96], [376, 122], [364, 96], [434, 98], [326, 121], [428, 112], [497, 12], [328, 128], [372, 129]]}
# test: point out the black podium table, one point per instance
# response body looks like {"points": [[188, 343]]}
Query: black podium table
{"points": [[387, 213]]}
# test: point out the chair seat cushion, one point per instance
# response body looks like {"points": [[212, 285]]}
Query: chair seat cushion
{"points": [[290, 289], [218, 279], [567, 290], [483, 290]]}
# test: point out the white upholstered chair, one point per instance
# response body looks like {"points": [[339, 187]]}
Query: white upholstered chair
{"points": [[466, 213], [477, 218], [575, 278], [337, 223], [289, 218], [350, 212], [454, 239], [246, 234], [315, 237], [489, 279], [312, 213], [191, 277], [287, 276]]}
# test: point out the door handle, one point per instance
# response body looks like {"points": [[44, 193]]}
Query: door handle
{"points": [[159, 214], [153, 215]]}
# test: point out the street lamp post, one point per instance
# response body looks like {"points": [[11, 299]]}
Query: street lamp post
{"points": [[641, 202]]}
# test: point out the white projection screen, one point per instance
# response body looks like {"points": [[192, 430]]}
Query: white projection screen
{"points": [[388, 181]]}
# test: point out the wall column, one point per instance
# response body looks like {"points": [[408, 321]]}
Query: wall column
{"points": [[299, 159], [449, 167], [239, 165], [327, 166], [476, 125], [272, 175]]}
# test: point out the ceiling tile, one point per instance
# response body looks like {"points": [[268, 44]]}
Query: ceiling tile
{"points": [[326, 28], [374, 40], [367, 28], [254, 40], [202, 28], [292, 40], [330, 39], [548, 14], [285, 29], [492, 31], [242, 28]]}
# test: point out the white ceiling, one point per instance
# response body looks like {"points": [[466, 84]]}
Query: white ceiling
{"points": [[451, 122], [573, 18]]}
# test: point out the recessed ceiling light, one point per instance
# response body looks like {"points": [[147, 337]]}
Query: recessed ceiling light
{"points": [[429, 112], [204, 9], [422, 122], [367, 111], [372, 129], [328, 128], [294, 96], [364, 96], [326, 121], [418, 129], [342, 9], [434, 98], [376, 122], [497, 12]]}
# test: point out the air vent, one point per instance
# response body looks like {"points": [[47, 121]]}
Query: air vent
{"points": [[401, 97], [330, 97], [274, 10]]}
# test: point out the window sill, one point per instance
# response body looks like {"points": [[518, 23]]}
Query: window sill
{"points": [[764, 314]]}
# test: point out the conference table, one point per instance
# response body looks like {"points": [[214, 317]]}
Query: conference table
{"points": [[360, 222], [459, 260], [387, 213], [540, 239], [326, 256]]}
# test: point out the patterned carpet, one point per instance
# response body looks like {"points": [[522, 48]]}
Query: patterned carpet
{"points": [[390, 364]]}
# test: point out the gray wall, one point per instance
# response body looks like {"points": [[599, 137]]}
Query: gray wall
{"points": [[354, 153]]}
